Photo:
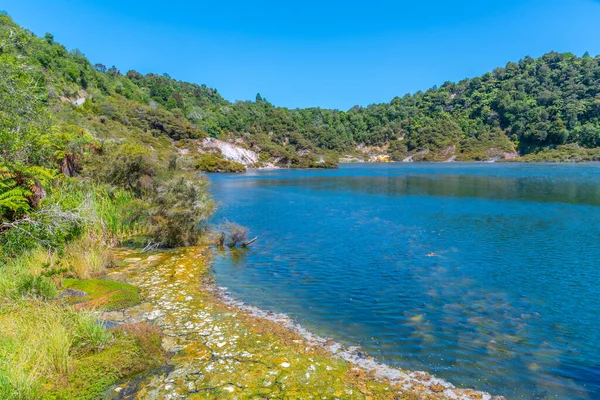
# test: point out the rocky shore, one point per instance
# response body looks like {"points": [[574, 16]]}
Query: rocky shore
{"points": [[222, 348]]}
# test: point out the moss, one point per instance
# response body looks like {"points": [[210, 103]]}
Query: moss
{"points": [[103, 294], [222, 352]]}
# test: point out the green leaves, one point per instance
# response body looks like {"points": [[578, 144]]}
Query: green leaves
{"points": [[13, 199]]}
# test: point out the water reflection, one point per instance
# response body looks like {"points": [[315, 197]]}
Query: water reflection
{"points": [[485, 275]]}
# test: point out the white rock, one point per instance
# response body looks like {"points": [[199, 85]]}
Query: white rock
{"points": [[232, 152]]}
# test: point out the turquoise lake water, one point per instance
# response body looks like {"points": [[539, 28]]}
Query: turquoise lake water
{"points": [[487, 275]]}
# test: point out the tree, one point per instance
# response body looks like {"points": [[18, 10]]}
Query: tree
{"points": [[259, 98], [114, 71], [133, 74], [129, 166], [49, 38], [100, 67], [26, 163], [181, 205]]}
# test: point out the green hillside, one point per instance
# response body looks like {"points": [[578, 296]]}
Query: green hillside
{"points": [[92, 158], [526, 107]]}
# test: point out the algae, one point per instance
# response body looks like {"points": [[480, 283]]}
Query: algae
{"points": [[222, 351], [102, 294]]}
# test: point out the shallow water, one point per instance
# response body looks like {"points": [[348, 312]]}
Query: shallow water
{"points": [[485, 274]]}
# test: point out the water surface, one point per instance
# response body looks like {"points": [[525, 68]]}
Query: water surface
{"points": [[487, 275]]}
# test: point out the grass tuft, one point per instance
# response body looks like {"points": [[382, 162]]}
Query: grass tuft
{"points": [[49, 349], [35, 287]]}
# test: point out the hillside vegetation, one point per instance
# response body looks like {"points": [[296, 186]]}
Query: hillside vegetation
{"points": [[75, 181], [91, 158], [530, 106]]}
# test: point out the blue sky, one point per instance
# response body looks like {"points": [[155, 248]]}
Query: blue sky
{"points": [[330, 54]]}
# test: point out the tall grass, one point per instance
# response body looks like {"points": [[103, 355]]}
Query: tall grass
{"points": [[39, 342], [116, 214], [40, 339], [87, 256], [112, 214], [14, 272]]}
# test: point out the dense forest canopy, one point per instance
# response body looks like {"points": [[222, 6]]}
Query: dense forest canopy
{"points": [[530, 105]]}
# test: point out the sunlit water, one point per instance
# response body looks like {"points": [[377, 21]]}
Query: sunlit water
{"points": [[487, 275]]}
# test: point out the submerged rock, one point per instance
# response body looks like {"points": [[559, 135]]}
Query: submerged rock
{"points": [[72, 293]]}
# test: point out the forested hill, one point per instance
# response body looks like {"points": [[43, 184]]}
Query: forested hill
{"points": [[546, 108]]}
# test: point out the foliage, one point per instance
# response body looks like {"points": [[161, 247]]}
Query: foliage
{"points": [[234, 234], [211, 162], [76, 179], [14, 199], [128, 166], [536, 103], [565, 153], [181, 205]]}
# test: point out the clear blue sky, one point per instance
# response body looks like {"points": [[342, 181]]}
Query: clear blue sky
{"points": [[314, 53]]}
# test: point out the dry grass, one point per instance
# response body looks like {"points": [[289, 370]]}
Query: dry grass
{"points": [[148, 336], [88, 256]]}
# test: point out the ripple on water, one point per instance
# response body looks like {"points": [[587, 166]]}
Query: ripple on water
{"points": [[484, 274]]}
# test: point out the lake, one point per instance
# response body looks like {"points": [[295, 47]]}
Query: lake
{"points": [[486, 275]]}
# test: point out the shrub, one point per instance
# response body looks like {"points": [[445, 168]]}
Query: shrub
{"points": [[128, 166], [211, 162], [235, 234], [178, 210]]}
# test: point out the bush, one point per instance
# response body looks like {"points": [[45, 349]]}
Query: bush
{"points": [[178, 210], [212, 162], [234, 234], [131, 167]]}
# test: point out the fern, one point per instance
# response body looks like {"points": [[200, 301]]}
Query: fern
{"points": [[16, 188], [13, 198]]}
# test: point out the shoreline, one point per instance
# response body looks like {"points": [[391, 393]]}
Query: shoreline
{"points": [[213, 336], [409, 380], [503, 162]]}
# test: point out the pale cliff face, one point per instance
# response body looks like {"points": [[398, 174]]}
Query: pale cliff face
{"points": [[232, 152]]}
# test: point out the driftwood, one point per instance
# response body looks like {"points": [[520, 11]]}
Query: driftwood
{"points": [[151, 246], [249, 242]]}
